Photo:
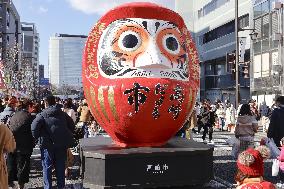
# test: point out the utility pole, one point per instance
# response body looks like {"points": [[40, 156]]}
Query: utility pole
{"points": [[237, 50]]}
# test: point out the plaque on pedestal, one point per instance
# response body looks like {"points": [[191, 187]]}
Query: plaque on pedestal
{"points": [[179, 163]]}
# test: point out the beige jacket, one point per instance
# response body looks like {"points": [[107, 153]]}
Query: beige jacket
{"points": [[193, 120], [246, 126], [7, 144], [85, 113], [192, 123]]}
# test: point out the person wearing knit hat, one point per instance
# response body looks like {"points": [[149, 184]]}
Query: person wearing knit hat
{"points": [[251, 169]]}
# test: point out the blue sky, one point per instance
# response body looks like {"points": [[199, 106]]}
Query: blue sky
{"points": [[66, 16]]}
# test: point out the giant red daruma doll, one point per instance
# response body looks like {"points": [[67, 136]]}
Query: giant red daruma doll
{"points": [[140, 74]]}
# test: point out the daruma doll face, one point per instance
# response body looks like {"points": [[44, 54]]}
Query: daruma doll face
{"points": [[140, 74]]}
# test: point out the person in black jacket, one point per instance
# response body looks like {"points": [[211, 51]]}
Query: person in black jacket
{"points": [[2, 107], [54, 129], [18, 162], [276, 127]]}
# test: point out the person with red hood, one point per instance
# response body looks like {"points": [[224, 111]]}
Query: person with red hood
{"points": [[251, 169]]}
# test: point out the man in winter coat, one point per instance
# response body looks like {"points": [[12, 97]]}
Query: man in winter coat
{"points": [[276, 129], [18, 162], [54, 129], [7, 144]]}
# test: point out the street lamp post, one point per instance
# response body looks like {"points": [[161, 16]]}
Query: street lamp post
{"points": [[237, 50], [253, 35]]}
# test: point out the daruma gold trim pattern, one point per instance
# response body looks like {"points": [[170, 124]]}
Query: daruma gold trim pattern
{"points": [[193, 100], [189, 100], [87, 92], [93, 98], [102, 103], [112, 103]]}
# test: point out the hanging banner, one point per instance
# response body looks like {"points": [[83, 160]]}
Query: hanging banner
{"points": [[242, 48], [2, 83]]}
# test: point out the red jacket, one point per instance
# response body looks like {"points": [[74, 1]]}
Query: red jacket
{"points": [[257, 185], [281, 158]]}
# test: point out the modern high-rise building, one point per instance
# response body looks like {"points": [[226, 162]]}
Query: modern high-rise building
{"points": [[41, 71], [212, 25], [65, 60], [30, 46], [30, 58], [10, 30], [267, 50]]}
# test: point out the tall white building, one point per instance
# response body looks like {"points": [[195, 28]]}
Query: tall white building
{"points": [[65, 60], [212, 24]]}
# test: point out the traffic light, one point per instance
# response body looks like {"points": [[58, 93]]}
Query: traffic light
{"points": [[245, 70], [231, 64]]}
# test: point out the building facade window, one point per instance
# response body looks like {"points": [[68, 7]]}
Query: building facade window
{"points": [[210, 7], [257, 66], [200, 13], [265, 26], [244, 21], [225, 29], [262, 7], [265, 65], [215, 69], [257, 10], [219, 32], [265, 45]]}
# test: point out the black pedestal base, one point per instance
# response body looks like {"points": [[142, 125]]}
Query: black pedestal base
{"points": [[179, 163]]}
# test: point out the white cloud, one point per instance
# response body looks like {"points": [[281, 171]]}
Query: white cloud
{"points": [[42, 9], [100, 7]]}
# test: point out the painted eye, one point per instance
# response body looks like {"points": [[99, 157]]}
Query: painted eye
{"points": [[129, 41], [171, 44]]}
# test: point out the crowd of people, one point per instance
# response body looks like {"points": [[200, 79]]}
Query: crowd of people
{"points": [[55, 125], [244, 122], [50, 124], [223, 116]]}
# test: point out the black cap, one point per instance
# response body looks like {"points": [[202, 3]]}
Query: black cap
{"points": [[50, 100], [280, 99]]}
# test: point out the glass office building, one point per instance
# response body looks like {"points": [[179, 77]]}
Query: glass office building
{"points": [[267, 51], [65, 60]]}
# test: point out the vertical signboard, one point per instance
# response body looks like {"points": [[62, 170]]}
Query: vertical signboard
{"points": [[242, 49]]}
